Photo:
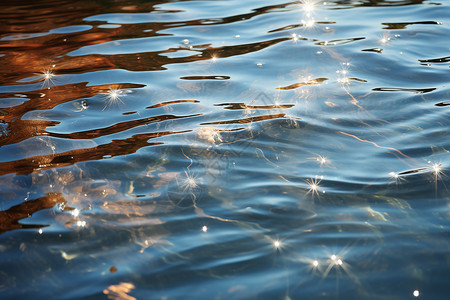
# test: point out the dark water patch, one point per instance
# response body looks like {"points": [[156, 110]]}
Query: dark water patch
{"points": [[404, 25], [436, 60], [444, 103], [237, 105], [289, 27], [410, 172], [378, 3], [377, 50], [213, 77], [417, 91], [357, 79], [339, 41]]}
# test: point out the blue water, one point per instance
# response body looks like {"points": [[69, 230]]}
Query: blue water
{"points": [[224, 149]]}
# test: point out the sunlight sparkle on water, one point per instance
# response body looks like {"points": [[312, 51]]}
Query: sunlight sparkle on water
{"points": [[322, 160], [336, 260], [277, 244], [395, 177], [385, 38], [48, 75], [204, 228], [416, 293], [189, 181], [437, 169], [308, 6], [314, 186], [113, 96], [343, 72], [75, 212], [309, 23]]}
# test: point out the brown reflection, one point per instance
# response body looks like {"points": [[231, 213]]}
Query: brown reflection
{"points": [[172, 102], [28, 55], [19, 130], [245, 106], [297, 85], [31, 49], [248, 120], [155, 61], [9, 219], [116, 128], [115, 148]]}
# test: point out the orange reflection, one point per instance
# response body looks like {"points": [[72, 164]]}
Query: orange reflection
{"points": [[115, 148], [9, 219]]}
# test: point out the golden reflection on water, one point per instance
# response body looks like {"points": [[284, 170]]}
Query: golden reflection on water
{"points": [[10, 218]]}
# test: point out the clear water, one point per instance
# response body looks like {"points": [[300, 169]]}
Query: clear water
{"points": [[224, 149]]}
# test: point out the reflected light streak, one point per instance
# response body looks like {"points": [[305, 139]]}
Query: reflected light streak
{"points": [[373, 143], [438, 172]]}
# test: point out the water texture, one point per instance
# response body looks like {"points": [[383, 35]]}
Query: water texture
{"points": [[224, 149]]}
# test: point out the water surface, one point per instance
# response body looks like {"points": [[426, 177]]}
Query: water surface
{"points": [[224, 149]]}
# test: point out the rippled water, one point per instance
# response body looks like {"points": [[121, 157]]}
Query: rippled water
{"points": [[224, 149]]}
